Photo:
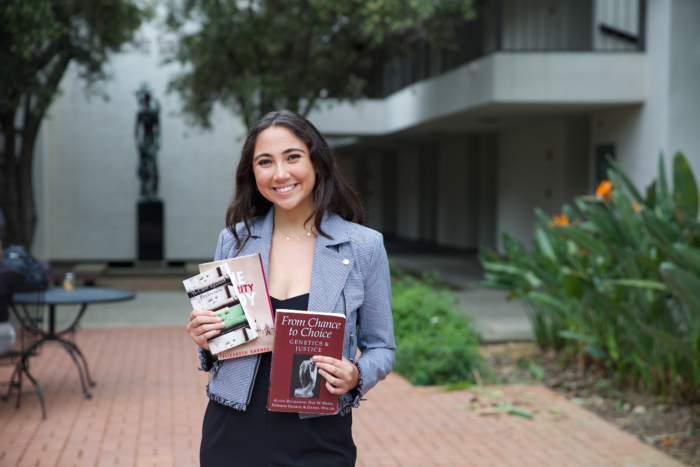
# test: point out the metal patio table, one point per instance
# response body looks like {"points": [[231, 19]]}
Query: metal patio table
{"points": [[55, 296]]}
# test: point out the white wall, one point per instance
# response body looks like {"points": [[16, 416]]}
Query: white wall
{"points": [[531, 173], [668, 121], [684, 81], [88, 183]]}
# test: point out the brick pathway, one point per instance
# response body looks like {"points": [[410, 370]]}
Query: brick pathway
{"points": [[148, 405]]}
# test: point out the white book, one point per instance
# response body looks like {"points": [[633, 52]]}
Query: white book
{"points": [[249, 278], [214, 290]]}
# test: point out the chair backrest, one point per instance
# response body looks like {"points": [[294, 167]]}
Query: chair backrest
{"points": [[8, 337], [35, 273]]}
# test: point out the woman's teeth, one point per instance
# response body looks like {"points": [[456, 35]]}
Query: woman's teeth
{"points": [[285, 189]]}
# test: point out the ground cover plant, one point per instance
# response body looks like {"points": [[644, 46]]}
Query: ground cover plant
{"points": [[615, 280], [435, 341]]}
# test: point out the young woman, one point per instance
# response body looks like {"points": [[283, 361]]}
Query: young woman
{"points": [[293, 207]]}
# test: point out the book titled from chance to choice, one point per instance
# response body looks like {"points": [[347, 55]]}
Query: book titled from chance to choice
{"points": [[248, 276], [295, 383], [214, 290]]}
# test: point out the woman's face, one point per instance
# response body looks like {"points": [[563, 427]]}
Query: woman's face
{"points": [[283, 170]]}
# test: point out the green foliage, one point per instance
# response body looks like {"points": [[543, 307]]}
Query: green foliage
{"points": [[38, 40], [536, 371], [619, 282], [434, 339], [256, 56]]}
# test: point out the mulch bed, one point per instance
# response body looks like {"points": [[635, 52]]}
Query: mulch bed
{"points": [[670, 426]]}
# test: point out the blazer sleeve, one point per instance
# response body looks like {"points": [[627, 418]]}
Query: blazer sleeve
{"points": [[375, 324]]}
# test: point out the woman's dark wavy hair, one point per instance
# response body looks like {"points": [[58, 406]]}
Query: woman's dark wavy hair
{"points": [[331, 192]]}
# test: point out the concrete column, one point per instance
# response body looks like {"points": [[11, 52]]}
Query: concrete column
{"points": [[428, 165], [389, 192], [457, 183], [486, 206], [408, 191], [374, 193]]}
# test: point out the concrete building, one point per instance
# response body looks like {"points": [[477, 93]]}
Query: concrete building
{"points": [[451, 149]]}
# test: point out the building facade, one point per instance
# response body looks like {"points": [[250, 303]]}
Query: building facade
{"points": [[451, 148]]}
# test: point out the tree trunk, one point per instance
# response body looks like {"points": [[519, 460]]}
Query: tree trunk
{"points": [[11, 193], [16, 193], [26, 189], [17, 190]]}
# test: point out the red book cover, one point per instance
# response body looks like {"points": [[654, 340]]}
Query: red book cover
{"points": [[295, 384]]}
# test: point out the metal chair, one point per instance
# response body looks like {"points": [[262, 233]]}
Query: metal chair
{"points": [[26, 320]]}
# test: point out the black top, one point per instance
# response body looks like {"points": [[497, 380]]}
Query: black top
{"points": [[300, 303]]}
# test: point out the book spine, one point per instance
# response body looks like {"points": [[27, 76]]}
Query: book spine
{"points": [[267, 292]]}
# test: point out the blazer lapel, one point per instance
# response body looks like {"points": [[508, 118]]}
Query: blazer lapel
{"points": [[330, 268]]}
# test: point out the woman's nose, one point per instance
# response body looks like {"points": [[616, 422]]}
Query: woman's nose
{"points": [[281, 172]]}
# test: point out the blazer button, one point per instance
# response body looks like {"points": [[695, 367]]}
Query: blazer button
{"points": [[346, 261]]}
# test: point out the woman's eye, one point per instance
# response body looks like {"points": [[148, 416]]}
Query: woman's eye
{"points": [[293, 156], [264, 162]]}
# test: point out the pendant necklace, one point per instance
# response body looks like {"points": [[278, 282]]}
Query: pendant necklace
{"points": [[292, 236]]}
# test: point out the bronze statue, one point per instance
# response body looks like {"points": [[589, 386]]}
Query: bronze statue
{"points": [[147, 134]]}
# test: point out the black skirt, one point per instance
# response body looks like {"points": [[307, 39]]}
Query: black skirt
{"points": [[258, 437]]}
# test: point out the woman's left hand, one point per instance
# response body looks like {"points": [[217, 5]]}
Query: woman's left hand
{"points": [[341, 375]]}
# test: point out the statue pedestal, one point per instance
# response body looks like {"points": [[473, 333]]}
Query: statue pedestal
{"points": [[150, 230]]}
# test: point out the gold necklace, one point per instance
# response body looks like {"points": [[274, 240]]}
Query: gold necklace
{"points": [[292, 236]]}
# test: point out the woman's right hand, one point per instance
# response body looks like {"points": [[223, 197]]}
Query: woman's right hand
{"points": [[202, 326]]}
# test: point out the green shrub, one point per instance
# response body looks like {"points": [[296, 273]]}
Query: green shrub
{"points": [[434, 339]]}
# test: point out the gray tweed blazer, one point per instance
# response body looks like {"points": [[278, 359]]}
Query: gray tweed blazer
{"points": [[350, 275]]}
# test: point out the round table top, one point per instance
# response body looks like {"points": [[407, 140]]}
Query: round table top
{"points": [[80, 295]]}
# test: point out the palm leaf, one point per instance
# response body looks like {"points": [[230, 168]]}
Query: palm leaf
{"points": [[686, 286], [626, 180], [670, 341], [640, 283]]}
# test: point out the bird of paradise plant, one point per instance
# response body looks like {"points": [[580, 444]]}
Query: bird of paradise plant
{"points": [[604, 190], [618, 282], [559, 220]]}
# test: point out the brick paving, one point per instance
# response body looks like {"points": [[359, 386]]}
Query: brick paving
{"points": [[149, 402]]}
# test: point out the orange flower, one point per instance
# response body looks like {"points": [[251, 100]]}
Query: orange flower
{"points": [[604, 190], [559, 220], [635, 206]]}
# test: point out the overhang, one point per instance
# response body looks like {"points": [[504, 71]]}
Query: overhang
{"points": [[499, 86]]}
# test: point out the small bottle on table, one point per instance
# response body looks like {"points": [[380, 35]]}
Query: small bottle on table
{"points": [[69, 281]]}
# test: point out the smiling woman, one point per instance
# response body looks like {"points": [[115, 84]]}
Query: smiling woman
{"points": [[293, 207]]}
